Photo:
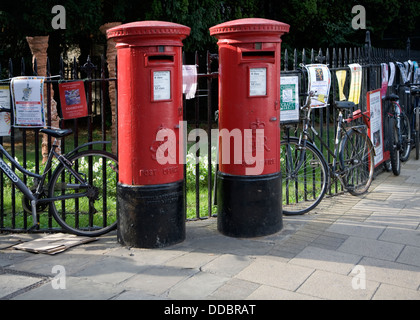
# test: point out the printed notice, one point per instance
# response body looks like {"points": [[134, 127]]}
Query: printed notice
{"points": [[73, 100], [5, 118], [289, 103], [28, 101], [376, 131], [161, 85], [257, 82]]}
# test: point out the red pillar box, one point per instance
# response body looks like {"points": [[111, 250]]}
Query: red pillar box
{"points": [[249, 180], [150, 188]]}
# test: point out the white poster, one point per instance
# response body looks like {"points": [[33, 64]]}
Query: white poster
{"points": [[319, 83], [28, 101], [355, 83], [376, 134], [257, 82], [161, 85], [289, 98], [5, 117]]}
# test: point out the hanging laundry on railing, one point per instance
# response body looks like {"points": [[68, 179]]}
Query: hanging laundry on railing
{"points": [[189, 81], [355, 83], [319, 82], [392, 74], [416, 72], [384, 86], [28, 101]]}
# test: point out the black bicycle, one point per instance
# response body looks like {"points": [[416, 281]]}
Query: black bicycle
{"points": [[81, 192], [306, 174], [399, 133]]}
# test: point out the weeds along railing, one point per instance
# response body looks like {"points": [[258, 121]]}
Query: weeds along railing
{"points": [[27, 144]]}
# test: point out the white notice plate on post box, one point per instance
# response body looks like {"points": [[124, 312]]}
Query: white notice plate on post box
{"points": [[257, 82], [161, 85]]}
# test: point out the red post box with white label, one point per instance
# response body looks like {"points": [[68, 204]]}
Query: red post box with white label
{"points": [[249, 179], [150, 187]]}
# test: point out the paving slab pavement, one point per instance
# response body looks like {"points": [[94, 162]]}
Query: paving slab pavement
{"points": [[349, 247]]}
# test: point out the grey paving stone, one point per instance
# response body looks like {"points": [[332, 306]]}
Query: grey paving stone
{"points": [[332, 286], [327, 260], [398, 274], [371, 248], [390, 292], [275, 273], [76, 288]]}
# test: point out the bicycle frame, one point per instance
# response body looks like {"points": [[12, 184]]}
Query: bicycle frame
{"points": [[339, 133], [40, 179]]}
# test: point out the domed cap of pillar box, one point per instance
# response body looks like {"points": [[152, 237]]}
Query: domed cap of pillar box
{"points": [[145, 33], [241, 29]]}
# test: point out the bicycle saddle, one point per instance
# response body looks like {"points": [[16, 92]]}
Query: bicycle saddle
{"points": [[415, 91], [392, 97], [344, 104], [57, 133]]}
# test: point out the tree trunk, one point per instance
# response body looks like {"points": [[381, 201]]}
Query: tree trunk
{"points": [[111, 54], [39, 46]]}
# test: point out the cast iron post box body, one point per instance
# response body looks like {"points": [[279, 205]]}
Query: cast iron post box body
{"points": [[249, 187], [150, 188]]}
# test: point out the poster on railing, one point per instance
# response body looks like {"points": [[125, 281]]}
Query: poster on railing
{"points": [[28, 101], [5, 117], [189, 81], [319, 82], [341, 80], [73, 100], [355, 82], [374, 106], [289, 98], [384, 86]]}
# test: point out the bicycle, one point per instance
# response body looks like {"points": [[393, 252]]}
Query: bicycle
{"points": [[76, 196], [399, 132], [306, 175]]}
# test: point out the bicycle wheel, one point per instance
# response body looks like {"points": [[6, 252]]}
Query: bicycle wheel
{"points": [[357, 162], [394, 150], [89, 206], [405, 147], [305, 184]]}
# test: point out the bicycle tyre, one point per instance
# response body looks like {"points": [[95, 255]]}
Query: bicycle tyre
{"points": [[303, 190], [406, 137], [76, 215], [417, 137], [394, 150], [357, 161]]}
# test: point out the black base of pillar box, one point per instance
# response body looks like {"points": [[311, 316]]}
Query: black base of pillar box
{"points": [[249, 206], [151, 216]]}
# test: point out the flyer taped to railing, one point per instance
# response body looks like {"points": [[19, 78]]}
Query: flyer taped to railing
{"points": [[355, 83], [319, 82], [28, 101]]}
